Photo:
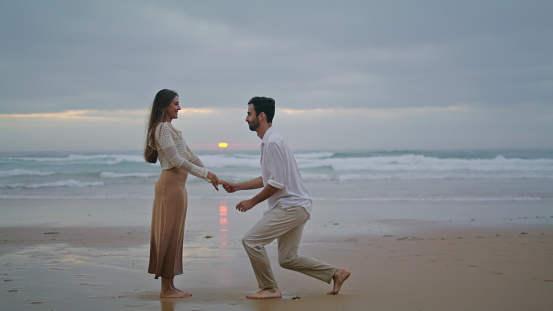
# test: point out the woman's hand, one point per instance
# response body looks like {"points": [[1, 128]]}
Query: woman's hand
{"points": [[213, 180]]}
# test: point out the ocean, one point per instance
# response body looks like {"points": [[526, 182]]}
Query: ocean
{"points": [[409, 175]]}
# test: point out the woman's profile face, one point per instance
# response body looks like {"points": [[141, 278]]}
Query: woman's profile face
{"points": [[172, 111]]}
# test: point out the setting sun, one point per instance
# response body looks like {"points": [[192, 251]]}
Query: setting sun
{"points": [[223, 145]]}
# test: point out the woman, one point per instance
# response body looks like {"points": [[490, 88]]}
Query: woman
{"points": [[165, 142]]}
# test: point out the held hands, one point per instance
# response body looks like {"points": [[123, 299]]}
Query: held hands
{"points": [[230, 187]]}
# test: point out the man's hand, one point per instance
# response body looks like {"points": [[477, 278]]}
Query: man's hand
{"points": [[230, 187], [266, 193], [245, 205]]}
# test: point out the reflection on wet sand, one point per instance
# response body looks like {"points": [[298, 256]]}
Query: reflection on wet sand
{"points": [[167, 304], [223, 224]]}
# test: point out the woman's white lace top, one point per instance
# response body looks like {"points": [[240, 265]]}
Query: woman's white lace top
{"points": [[173, 151]]}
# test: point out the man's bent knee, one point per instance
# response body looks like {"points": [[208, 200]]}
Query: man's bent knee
{"points": [[246, 243], [288, 263], [251, 244]]}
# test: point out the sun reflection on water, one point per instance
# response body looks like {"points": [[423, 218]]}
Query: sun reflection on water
{"points": [[223, 223]]}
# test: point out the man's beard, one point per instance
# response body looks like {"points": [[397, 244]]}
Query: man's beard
{"points": [[253, 125]]}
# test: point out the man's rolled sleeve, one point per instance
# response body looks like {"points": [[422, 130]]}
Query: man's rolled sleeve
{"points": [[275, 184]]}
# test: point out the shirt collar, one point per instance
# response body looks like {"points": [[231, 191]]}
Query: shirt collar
{"points": [[267, 134]]}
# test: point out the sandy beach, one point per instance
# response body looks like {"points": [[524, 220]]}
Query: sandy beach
{"points": [[93, 255]]}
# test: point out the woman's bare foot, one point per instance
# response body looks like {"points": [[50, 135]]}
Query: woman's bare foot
{"points": [[173, 293], [339, 277], [168, 289], [178, 290], [267, 293]]}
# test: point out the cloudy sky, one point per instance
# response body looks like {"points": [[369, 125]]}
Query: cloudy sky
{"points": [[371, 75]]}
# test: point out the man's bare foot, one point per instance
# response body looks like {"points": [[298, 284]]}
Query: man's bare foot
{"points": [[174, 293], [267, 293], [339, 277]]}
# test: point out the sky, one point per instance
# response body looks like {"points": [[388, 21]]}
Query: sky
{"points": [[346, 75]]}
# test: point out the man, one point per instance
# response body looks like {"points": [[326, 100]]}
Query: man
{"points": [[289, 208]]}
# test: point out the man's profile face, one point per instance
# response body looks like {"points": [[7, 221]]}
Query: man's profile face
{"points": [[252, 119]]}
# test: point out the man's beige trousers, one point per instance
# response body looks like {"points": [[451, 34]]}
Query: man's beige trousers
{"points": [[286, 225]]}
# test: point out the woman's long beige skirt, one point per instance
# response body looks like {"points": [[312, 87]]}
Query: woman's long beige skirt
{"points": [[168, 216]]}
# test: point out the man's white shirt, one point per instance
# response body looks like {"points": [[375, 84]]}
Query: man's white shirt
{"points": [[280, 170]]}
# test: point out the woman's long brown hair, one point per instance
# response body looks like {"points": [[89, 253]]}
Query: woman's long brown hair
{"points": [[157, 115]]}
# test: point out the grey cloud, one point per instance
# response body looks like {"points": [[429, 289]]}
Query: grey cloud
{"points": [[61, 55]]}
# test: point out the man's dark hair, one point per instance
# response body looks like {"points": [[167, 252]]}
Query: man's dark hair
{"points": [[263, 104]]}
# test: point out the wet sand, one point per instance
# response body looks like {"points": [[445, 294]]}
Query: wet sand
{"points": [[93, 255]]}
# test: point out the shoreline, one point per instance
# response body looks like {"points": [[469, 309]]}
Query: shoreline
{"points": [[397, 263]]}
